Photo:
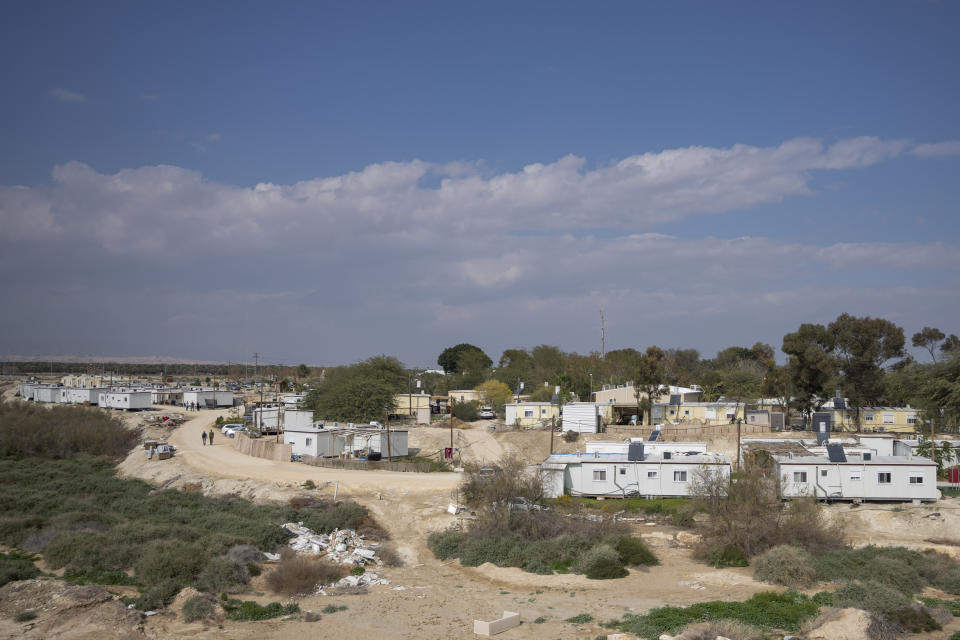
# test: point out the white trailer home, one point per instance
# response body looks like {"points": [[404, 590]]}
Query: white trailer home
{"points": [[125, 400], [623, 446], [864, 477], [71, 395], [205, 397], [266, 418], [27, 390], [322, 442], [583, 417], [46, 393], [296, 419], [637, 473]]}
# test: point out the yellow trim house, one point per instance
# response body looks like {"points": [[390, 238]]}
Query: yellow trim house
{"points": [[464, 395], [876, 419], [697, 413], [531, 414]]}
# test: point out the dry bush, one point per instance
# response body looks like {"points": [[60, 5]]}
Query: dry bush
{"points": [[388, 556], [732, 629], [571, 436], [245, 554], [747, 513], [61, 431], [296, 574], [511, 479], [786, 565], [310, 502]]}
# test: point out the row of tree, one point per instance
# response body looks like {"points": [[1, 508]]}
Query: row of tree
{"points": [[863, 358]]}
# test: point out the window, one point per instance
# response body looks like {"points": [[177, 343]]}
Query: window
{"points": [[528, 413], [800, 476], [911, 418], [599, 475], [916, 478], [679, 476], [823, 473], [855, 476], [543, 412], [868, 417], [651, 474], [883, 478], [888, 418], [710, 413], [672, 411], [686, 412], [309, 440], [623, 471]]}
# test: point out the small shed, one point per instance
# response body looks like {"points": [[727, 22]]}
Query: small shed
{"points": [[583, 417], [125, 400]]}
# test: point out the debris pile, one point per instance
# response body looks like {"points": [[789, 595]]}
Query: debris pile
{"points": [[344, 546]]}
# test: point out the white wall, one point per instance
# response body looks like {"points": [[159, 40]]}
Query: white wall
{"points": [[644, 478], [851, 480], [582, 417]]}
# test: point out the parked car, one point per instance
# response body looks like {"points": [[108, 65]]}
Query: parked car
{"points": [[487, 413]]}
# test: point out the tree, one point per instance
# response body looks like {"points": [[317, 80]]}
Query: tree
{"points": [[740, 383], [361, 392], [620, 365], [861, 348], [681, 366], [810, 364], [451, 359], [496, 394], [943, 389], [647, 382], [934, 340], [303, 371]]}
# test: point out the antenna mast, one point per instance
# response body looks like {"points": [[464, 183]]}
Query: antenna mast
{"points": [[603, 335]]}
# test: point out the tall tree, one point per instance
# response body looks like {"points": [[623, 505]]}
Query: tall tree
{"points": [[360, 392], [451, 359], [930, 339], [648, 380], [862, 347], [811, 367]]}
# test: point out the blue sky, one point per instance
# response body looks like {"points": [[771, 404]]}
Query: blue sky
{"points": [[709, 174]]}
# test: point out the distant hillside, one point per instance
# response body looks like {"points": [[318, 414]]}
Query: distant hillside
{"points": [[106, 359]]}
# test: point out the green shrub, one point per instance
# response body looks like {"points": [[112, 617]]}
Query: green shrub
{"points": [[786, 565], [634, 553], [953, 606], [467, 411], [25, 616], [16, 566], [602, 563], [249, 611], [333, 608], [222, 574], [765, 610], [358, 570], [540, 620], [254, 569], [914, 619], [200, 607], [726, 556], [445, 544], [61, 432], [870, 595], [583, 618], [165, 561], [157, 595]]}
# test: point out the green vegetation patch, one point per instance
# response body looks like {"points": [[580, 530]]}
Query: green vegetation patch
{"points": [[247, 610], [767, 610], [17, 566]]}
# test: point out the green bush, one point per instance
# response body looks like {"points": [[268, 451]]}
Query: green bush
{"points": [[765, 610], [16, 566], [25, 616], [904, 569], [602, 563], [467, 411], [870, 595], [914, 619], [953, 606], [333, 608], [726, 556], [61, 432], [583, 618], [221, 574], [200, 607], [634, 553], [786, 565], [445, 544], [249, 611], [254, 569], [165, 561]]}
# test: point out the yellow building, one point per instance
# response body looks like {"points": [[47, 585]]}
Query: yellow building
{"points": [[875, 419], [408, 404], [698, 413], [464, 395], [83, 381], [620, 403], [531, 414]]}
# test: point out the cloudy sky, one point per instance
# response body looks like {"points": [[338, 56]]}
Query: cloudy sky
{"points": [[321, 182]]}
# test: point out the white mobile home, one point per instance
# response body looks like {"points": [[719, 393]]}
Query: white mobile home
{"points": [[530, 414], [583, 417], [623, 446], [865, 477], [295, 419], [27, 390], [266, 418], [167, 395], [44, 393], [125, 400], [293, 400], [635, 474], [322, 442], [207, 397], [70, 395]]}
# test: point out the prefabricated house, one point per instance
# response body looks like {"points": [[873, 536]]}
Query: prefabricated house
{"points": [[637, 473], [865, 477], [460, 396], [266, 418], [531, 414], [45, 393], [126, 400], [322, 442], [415, 405], [296, 419], [27, 390], [293, 400], [208, 397], [583, 417], [623, 446], [698, 413], [70, 395], [167, 396]]}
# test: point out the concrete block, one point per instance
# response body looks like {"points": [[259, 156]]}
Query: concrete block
{"points": [[509, 620]]}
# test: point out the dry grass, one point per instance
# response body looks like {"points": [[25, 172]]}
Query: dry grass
{"points": [[61, 431], [296, 574]]}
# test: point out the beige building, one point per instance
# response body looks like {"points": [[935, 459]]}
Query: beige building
{"points": [[620, 403], [875, 419], [698, 413], [465, 395], [416, 404], [83, 381], [531, 414]]}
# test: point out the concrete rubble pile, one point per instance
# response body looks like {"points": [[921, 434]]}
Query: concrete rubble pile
{"points": [[343, 546]]}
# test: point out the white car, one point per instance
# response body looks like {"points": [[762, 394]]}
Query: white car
{"points": [[487, 413], [232, 426]]}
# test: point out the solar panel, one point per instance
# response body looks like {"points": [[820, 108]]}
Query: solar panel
{"points": [[654, 435], [835, 453]]}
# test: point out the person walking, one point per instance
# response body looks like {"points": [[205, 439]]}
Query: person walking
{"points": [[211, 437], [204, 438]]}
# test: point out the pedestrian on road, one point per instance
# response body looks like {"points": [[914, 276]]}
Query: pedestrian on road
{"points": [[204, 438], [211, 437]]}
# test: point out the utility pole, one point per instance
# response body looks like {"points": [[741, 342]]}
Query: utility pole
{"points": [[933, 444], [389, 452], [603, 335], [553, 427], [738, 445], [451, 427]]}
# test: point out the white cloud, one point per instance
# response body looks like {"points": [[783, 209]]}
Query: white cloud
{"points": [[65, 95], [214, 137], [938, 149]]}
